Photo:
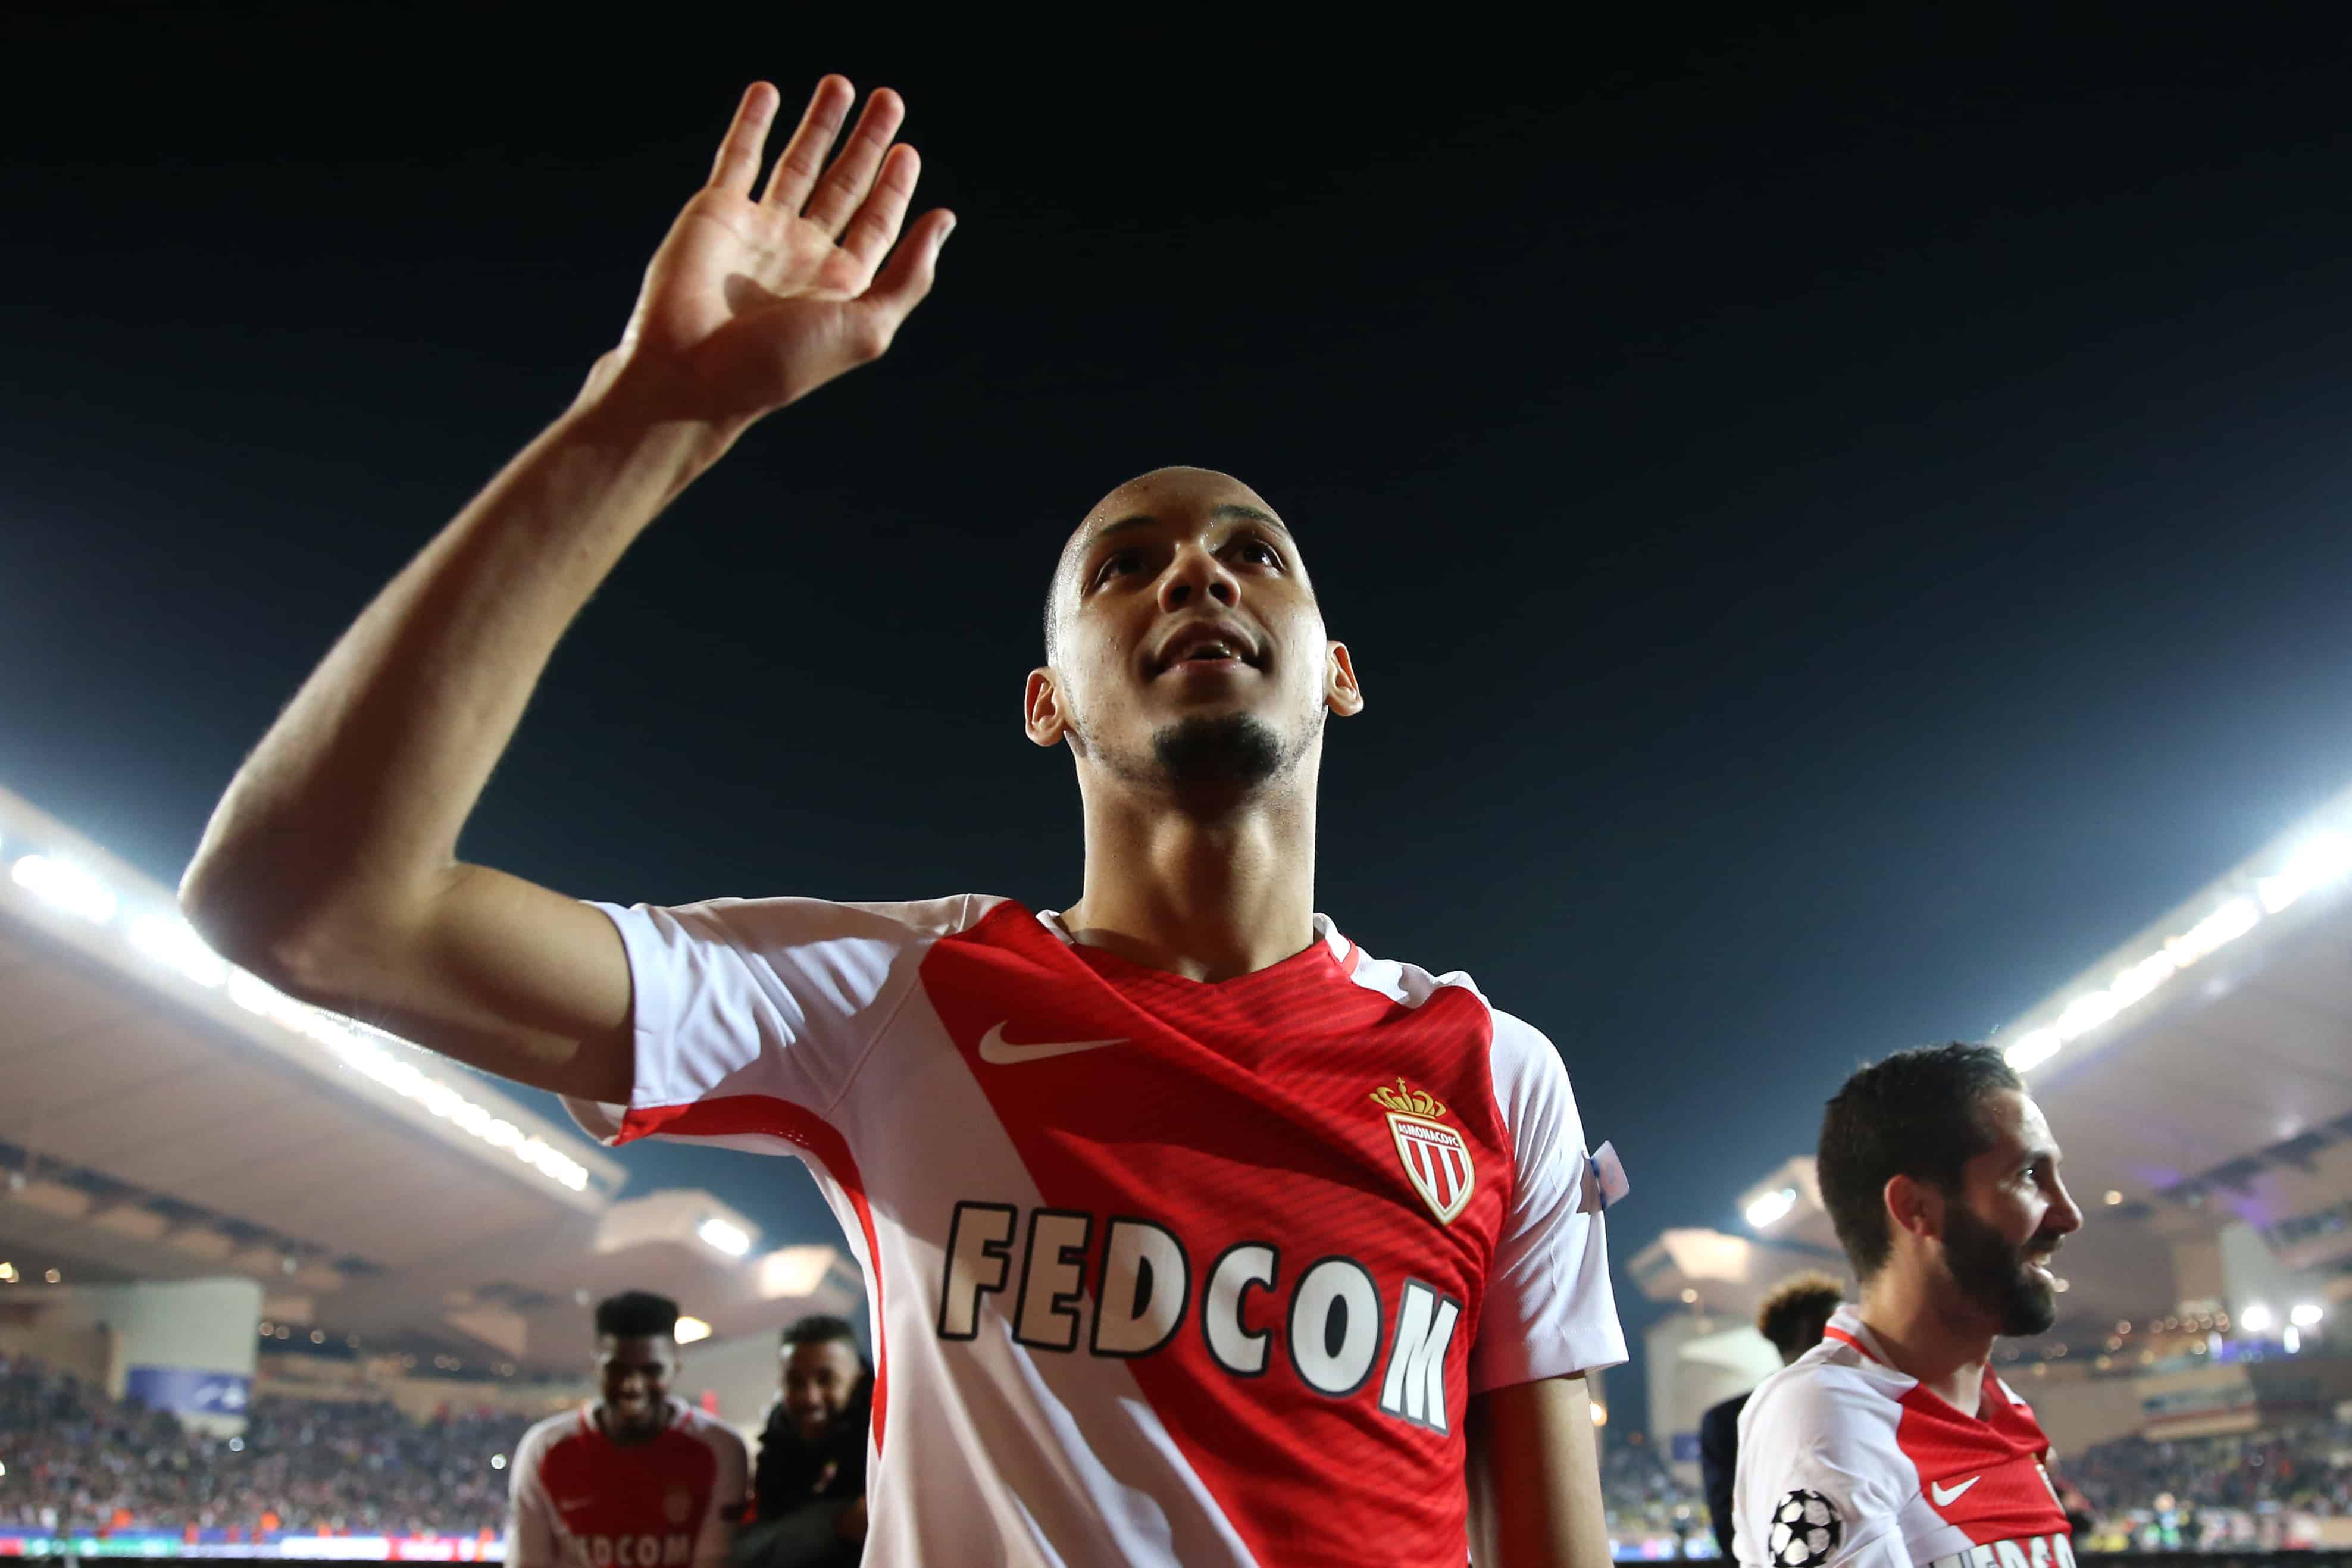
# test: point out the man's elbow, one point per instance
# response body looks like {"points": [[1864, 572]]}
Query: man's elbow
{"points": [[301, 942]]}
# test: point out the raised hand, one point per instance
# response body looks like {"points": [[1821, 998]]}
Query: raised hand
{"points": [[753, 302]]}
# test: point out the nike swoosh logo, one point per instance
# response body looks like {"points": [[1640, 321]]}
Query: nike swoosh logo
{"points": [[995, 1047], [1944, 1497]]}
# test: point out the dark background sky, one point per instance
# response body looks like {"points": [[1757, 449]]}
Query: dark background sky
{"points": [[1840, 519]]}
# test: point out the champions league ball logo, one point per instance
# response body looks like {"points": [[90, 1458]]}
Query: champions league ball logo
{"points": [[1805, 1530]]}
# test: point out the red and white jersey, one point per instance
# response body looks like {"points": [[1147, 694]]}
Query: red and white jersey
{"points": [[1845, 1460], [577, 1499], [1163, 1272]]}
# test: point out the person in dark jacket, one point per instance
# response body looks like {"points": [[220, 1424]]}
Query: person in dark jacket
{"points": [[1792, 1317], [808, 1487]]}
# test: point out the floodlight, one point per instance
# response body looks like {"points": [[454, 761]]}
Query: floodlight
{"points": [[729, 1238], [1771, 1206], [2255, 1319], [174, 943], [794, 1270], [2307, 1314], [66, 885], [2318, 861], [2034, 1047], [692, 1329]]}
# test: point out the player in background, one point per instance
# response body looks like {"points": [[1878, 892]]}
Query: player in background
{"points": [[808, 1482], [634, 1478], [1891, 1444], [1192, 1233], [1792, 1315]]}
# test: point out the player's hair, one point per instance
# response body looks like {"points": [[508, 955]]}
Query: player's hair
{"points": [[820, 1328], [1791, 1317], [1915, 1114], [637, 1315]]}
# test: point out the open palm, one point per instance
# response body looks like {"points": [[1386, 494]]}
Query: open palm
{"points": [[753, 302]]}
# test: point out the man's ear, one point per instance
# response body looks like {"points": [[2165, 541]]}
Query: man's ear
{"points": [[1042, 715], [1341, 694], [1914, 1206]]}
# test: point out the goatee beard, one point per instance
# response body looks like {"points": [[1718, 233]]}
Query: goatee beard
{"points": [[1218, 754], [1993, 1276]]}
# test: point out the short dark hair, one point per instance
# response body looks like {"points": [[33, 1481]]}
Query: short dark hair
{"points": [[1915, 1114], [1792, 1315], [635, 1314], [819, 1328]]}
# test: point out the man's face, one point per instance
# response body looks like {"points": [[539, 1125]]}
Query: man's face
{"points": [[818, 1381], [634, 1371], [2009, 1218], [1190, 652]]}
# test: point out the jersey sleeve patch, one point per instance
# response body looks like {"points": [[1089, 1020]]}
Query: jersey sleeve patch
{"points": [[1806, 1529]]}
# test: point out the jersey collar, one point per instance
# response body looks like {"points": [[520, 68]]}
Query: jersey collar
{"points": [[1846, 1328], [1324, 933]]}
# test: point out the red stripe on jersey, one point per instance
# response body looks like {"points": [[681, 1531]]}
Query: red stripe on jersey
{"points": [[736, 1115], [1844, 1338], [1235, 1112]]}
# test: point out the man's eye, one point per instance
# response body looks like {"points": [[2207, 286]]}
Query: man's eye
{"points": [[1124, 560], [1262, 552]]}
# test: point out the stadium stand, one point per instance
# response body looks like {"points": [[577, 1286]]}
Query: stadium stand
{"points": [[86, 1464]]}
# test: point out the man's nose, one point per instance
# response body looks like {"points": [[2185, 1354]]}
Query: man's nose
{"points": [[1196, 574], [2064, 1217]]}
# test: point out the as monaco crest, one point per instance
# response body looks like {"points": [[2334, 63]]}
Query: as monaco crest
{"points": [[1436, 1157]]}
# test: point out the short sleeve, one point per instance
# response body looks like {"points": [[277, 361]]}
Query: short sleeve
{"points": [[531, 1522], [776, 996], [730, 1486], [1548, 1309], [1809, 1493]]}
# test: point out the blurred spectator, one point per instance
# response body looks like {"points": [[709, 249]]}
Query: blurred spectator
{"points": [[808, 1488], [2210, 1492], [1792, 1317], [1644, 1500], [77, 1460]]}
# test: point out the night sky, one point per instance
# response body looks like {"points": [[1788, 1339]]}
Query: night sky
{"points": [[1839, 522]]}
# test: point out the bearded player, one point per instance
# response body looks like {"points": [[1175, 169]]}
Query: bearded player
{"points": [[635, 1478], [1891, 1444], [1194, 1233]]}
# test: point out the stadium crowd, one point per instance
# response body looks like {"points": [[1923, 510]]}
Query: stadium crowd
{"points": [[80, 1461], [2213, 1492]]}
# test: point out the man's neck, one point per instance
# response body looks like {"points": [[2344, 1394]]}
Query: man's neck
{"points": [[629, 1436], [1947, 1351], [1205, 899]]}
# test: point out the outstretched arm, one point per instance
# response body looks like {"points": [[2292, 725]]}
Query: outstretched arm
{"points": [[330, 867], [1535, 1477]]}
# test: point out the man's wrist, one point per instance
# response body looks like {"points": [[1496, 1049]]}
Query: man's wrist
{"points": [[630, 409]]}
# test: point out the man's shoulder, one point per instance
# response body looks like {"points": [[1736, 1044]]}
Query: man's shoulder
{"points": [[548, 1432], [711, 1432], [785, 920], [1831, 1401]]}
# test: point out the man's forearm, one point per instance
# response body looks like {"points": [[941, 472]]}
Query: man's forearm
{"points": [[1534, 1477], [354, 800]]}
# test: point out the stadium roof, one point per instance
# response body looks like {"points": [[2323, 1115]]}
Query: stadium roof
{"points": [[169, 1116]]}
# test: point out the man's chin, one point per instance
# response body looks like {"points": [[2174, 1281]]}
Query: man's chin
{"points": [[2033, 1308]]}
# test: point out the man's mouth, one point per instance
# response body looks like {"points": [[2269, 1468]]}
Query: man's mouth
{"points": [[1207, 647]]}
